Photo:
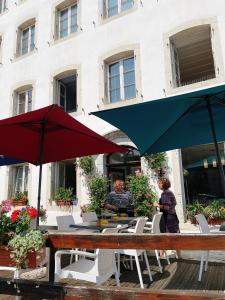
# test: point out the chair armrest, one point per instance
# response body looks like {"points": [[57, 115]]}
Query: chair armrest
{"points": [[149, 224], [76, 252], [148, 229]]}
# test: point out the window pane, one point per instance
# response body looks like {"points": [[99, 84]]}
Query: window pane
{"points": [[112, 7], [114, 69], [25, 187], [21, 103], [63, 23], [129, 92], [18, 179], [129, 78], [32, 35], [114, 82], [29, 102], [73, 18], [114, 96], [128, 64], [24, 41], [126, 4]]}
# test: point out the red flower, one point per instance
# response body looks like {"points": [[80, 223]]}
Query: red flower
{"points": [[32, 212], [15, 215]]}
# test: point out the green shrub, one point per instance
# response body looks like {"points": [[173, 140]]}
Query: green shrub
{"points": [[143, 195]]}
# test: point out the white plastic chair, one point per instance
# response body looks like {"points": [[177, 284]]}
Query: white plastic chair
{"points": [[136, 253], [64, 222], [205, 229], [89, 216], [98, 269], [155, 228]]}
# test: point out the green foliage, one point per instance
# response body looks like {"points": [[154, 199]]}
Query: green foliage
{"points": [[215, 210], [22, 244], [19, 196], [212, 211], [98, 193], [86, 164], [7, 228], [194, 209], [64, 194], [143, 195], [156, 161]]}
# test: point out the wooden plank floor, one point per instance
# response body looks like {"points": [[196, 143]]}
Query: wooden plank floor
{"points": [[179, 275]]}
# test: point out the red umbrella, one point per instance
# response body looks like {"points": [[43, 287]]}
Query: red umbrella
{"points": [[49, 134]]}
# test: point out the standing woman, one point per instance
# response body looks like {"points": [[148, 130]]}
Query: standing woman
{"points": [[169, 220]]}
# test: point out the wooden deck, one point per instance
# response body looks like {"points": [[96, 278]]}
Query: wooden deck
{"points": [[180, 275]]}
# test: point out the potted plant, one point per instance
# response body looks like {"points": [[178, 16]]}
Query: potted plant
{"points": [[215, 212], [20, 199], [143, 195], [98, 192], [194, 209], [17, 238], [63, 196]]}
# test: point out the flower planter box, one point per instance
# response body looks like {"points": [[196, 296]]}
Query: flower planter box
{"points": [[217, 221], [63, 202], [20, 203], [34, 258]]}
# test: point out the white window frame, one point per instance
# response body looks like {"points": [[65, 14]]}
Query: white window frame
{"points": [[68, 20], [25, 172], [29, 39], [27, 102], [3, 6], [121, 73], [119, 5]]}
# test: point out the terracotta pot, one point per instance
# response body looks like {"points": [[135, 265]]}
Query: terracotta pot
{"points": [[63, 202], [20, 203], [34, 258], [216, 221]]}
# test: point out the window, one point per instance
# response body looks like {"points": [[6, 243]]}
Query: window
{"points": [[121, 80], [66, 92], [192, 56], [26, 38], [64, 175], [23, 101], [66, 21], [115, 7], [2, 6], [18, 179]]}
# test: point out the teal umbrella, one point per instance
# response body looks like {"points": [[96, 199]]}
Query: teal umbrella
{"points": [[174, 122]]}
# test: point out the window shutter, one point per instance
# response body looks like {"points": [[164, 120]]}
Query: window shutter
{"points": [[10, 182], [56, 35], [106, 93], [103, 8], [18, 52], [175, 65]]}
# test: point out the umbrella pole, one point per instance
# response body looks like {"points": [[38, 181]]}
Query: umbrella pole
{"points": [[39, 194], [212, 124]]}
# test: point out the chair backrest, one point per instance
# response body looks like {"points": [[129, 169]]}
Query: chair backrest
{"points": [[139, 227], [64, 222], [105, 257], [89, 216], [155, 223], [203, 224]]}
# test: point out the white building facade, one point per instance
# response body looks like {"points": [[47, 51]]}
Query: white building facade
{"points": [[88, 55]]}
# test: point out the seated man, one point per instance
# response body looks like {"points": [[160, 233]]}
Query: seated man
{"points": [[119, 200]]}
